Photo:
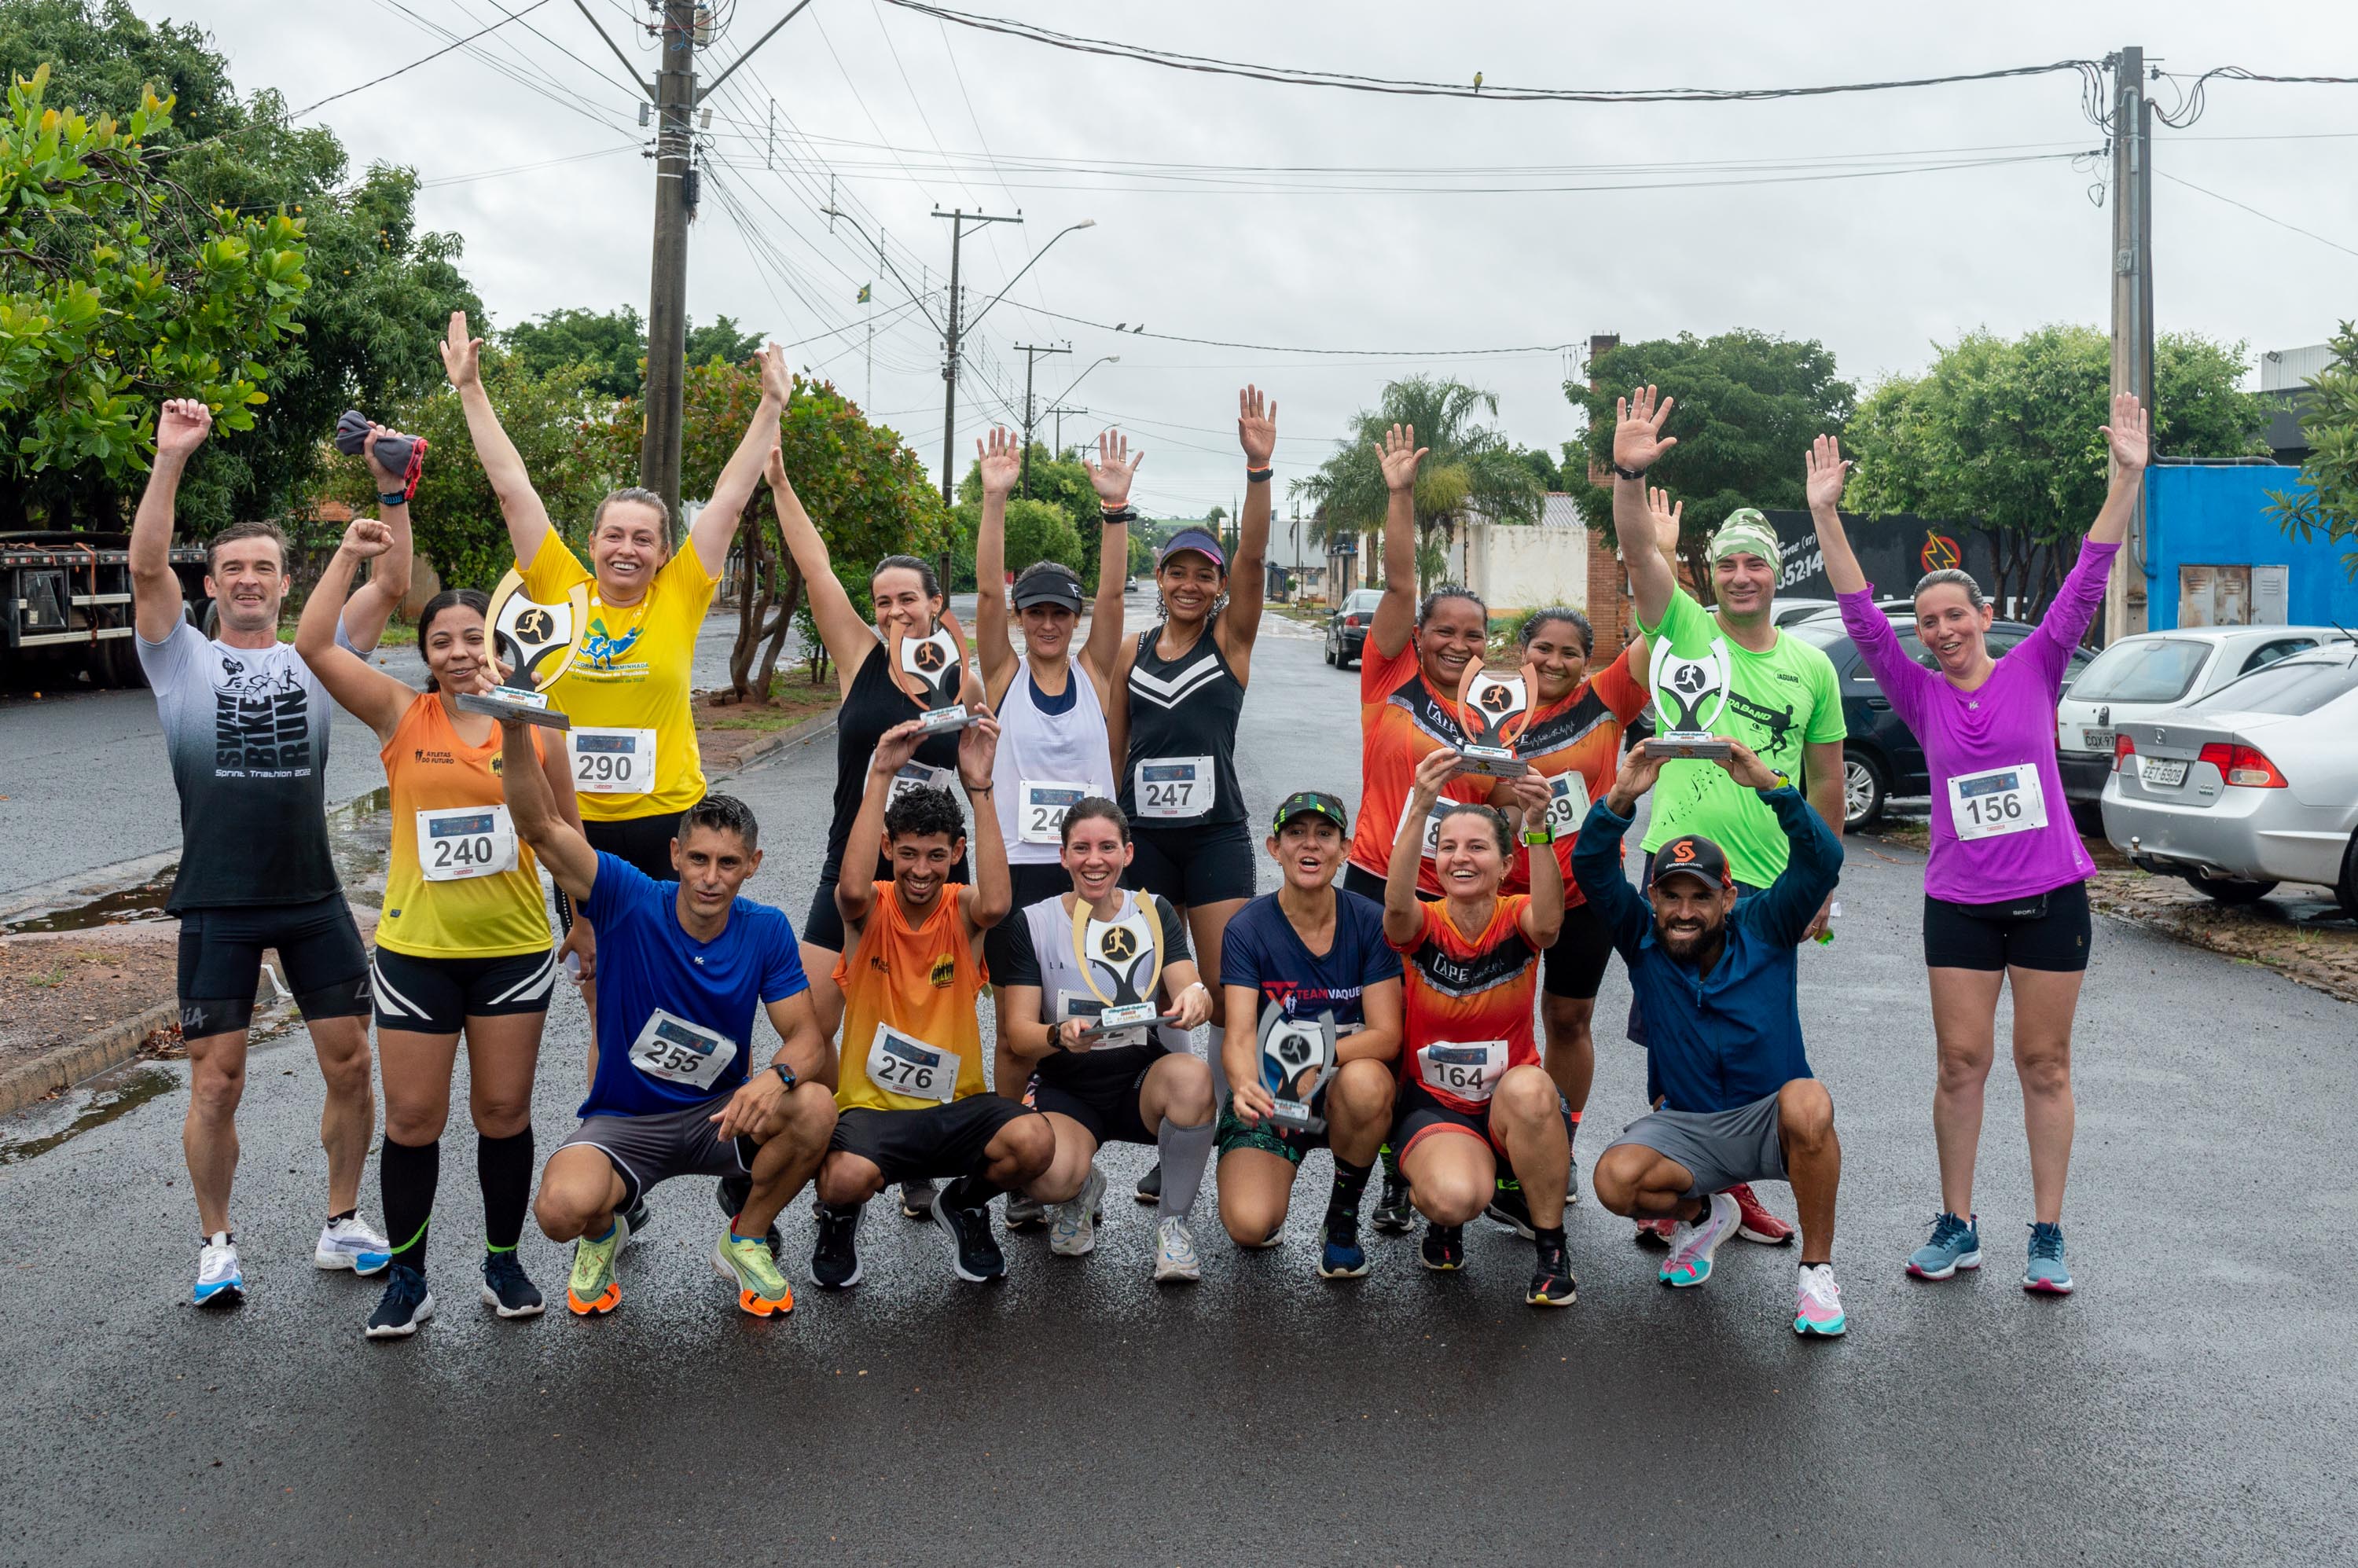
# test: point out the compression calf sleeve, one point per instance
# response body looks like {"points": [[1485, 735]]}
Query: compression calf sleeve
{"points": [[1186, 1150], [1342, 1204], [504, 1168], [406, 1174], [969, 1192]]}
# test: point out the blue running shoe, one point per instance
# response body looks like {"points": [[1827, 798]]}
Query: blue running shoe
{"points": [[1956, 1244], [1342, 1258], [406, 1304], [220, 1281], [2047, 1272], [506, 1288]]}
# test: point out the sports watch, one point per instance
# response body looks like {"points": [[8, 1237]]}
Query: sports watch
{"points": [[1539, 835], [786, 1074]]}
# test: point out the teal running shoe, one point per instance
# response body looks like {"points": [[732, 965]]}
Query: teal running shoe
{"points": [[2046, 1272], [1956, 1244]]}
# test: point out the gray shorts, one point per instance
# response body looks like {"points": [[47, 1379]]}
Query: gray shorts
{"points": [[1719, 1148], [647, 1150]]}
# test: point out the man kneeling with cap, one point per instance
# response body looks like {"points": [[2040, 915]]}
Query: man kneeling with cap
{"points": [[1716, 981]]}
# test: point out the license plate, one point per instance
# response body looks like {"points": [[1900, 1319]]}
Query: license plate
{"points": [[2096, 739], [2167, 775]]}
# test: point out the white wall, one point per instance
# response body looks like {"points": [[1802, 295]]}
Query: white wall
{"points": [[1517, 566]]}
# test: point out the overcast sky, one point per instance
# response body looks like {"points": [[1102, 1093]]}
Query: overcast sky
{"points": [[1423, 224]]}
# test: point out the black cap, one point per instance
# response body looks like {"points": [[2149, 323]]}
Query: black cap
{"points": [[1310, 803], [1691, 854], [1048, 588]]}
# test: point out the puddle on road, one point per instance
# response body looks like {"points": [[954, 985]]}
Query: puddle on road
{"points": [[106, 1103], [125, 907]]}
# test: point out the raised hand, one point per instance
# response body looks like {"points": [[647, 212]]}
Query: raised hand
{"points": [[1828, 470], [181, 427], [1256, 426], [1638, 419], [2130, 434], [774, 470], [777, 381], [1439, 766], [896, 746], [1531, 792], [1746, 769], [1116, 466], [367, 538], [978, 747], [1639, 769], [1001, 462], [387, 482], [1666, 518], [1398, 454], [462, 356]]}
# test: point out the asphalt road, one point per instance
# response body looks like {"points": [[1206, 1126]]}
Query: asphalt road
{"points": [[2192, 1403]]}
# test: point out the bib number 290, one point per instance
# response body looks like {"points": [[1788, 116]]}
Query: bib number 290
{"points": [[613, 762]]}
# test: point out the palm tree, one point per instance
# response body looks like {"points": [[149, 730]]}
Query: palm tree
{"points": [[1472, 468]]}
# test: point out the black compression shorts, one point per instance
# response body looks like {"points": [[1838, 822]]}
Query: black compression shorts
{"points": [[435, 996], [221, 963], [934, 1141], [1576, 965], [1099, 1089], [1191, 866], [2048, 931]]}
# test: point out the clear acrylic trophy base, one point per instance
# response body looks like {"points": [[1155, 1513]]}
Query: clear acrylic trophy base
{"points": [[1694, 745], [515, 702], [941, 720], [1490, 761], [1129, 1017], [1296, 1117]]}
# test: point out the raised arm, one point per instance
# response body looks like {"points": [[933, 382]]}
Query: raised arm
{"points": [[1542, 917], [991, 894], [1637, 444], [181, 427], [855, 894], [1116, 467], [1394, 621], [374, 602], [1248, 573], [1828, 469], [1000, 461], [527, 519], [846, 636], [2130, 437], [369, 694], [1404, 918], [532, 807], [1597, 854], [716, 525]]}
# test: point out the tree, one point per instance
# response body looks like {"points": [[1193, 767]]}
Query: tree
{"points": [[721, 340], [1749, 405], [1473, 470], [2328, 498], [2003, 436], [612, 344], [1061, 482], [1543, 467]]}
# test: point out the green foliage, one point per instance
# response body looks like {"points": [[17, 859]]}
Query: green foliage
{"points": [[2005, 434], [1060, 482], [613, 345], [2326, 500], [1544, 467], [720, 340]]}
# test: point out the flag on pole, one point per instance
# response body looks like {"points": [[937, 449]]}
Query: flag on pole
{"points": [[864, 293]]}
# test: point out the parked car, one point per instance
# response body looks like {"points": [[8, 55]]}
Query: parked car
{"points": [[2145, 676], [1786, 611], [2252, 786], [1347, 628]]}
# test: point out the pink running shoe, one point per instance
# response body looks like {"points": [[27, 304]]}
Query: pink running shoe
{"points": [[1692, 1245]]}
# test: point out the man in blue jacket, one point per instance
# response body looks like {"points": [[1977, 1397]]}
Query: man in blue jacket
{"points": [[1716, 983]]}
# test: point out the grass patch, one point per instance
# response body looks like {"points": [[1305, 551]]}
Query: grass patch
{"points": [[794, 697]]}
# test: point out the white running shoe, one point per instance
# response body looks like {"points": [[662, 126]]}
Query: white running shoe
{"points": [[1174, 1251], [351, 1244], [1073, 1227], [220, 1281], [1817, 1303], [1693, 1243]]}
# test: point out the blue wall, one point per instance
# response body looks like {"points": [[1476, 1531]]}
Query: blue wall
{"points": [[2197, 515]]}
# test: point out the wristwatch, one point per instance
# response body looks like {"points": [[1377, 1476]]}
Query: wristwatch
{"points": [[1626, 473], [393, 498], [1537, 836], [786, 1074], [1122, 514]]}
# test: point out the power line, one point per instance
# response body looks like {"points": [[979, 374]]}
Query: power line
{"points": [[2255, 213], [505, 17], [1279, 348]]}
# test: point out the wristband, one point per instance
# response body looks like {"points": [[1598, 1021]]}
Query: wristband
{"points": [[1125, 513], [393, 498], [975, 789], [1259, 476], [1539, 837], [1635, 474]]}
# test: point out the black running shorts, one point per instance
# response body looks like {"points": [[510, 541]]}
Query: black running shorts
{"points": [[1368, 885], [319, 954], [1192, 866], [1576, 965], [2048, 931], [435, 996], [1099, 1089], [935, 1141]]}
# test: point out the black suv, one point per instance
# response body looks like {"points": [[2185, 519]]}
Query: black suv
{"points": [[1347, 627]]}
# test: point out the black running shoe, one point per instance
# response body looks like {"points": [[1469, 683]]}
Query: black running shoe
{"points": [[917, 1199], [406, 1304], [637, 1219], [835, 1262], [506, 1290], [1511, 1209], [1392, 1213], [1552, 1281], [732, 1194], [1443, 1248], [974, 1251], [1150, 1185]]}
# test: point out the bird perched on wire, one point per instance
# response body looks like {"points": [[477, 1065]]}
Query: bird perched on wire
{"points": [[1478, 81]]}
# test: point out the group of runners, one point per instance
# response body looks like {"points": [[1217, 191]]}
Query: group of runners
{"points": [[1066, 833]]}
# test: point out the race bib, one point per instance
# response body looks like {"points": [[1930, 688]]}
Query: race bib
{"points": [[1567, 804], [1040, 807], [1998, 801], [917, 775], [1175, 788], [903, 1064], [1432, 823], [1466, 1069], [465, 841], [611, 762], [671, 1048]]}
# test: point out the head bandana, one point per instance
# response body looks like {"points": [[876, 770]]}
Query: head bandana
{"points": [[1745, 532]]}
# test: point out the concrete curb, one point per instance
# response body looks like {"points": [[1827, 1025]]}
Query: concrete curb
{"points": [[62, 1066], [810, 728]]}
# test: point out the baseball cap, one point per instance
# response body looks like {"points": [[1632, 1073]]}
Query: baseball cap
{"points": [[1691, 854], [1048, 588], [1745, 532], [1199, 540], [1310, 803]]}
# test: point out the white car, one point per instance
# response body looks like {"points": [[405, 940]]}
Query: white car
{"points": [[2144, 676]]}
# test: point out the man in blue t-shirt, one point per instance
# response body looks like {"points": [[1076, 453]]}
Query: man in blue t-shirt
{"points": [[1313, 1025], [681, 968]]}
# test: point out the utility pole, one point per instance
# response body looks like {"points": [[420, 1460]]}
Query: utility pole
{"points": [[1031, 353], [959, 218], [2132, 130], [1058, 413]]}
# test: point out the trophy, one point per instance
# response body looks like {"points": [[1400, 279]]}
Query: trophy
{"points": [[1493, 713], [1684, 688], [1125, 954], [933, 671], [535, 643], [1297, 1057]]}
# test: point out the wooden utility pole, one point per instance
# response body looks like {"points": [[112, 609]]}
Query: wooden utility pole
{"points": [[667, 289], [1031, 353], [959, 218], [2131, 133]]}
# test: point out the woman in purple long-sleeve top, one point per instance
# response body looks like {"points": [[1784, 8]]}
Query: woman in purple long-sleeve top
{"points": [[2003, 895]]}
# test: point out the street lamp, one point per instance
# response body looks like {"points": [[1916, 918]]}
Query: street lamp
{"points": [[1027, 266]]}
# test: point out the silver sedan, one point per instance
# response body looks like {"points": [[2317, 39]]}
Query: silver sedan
{"points": [[2254, 785]]}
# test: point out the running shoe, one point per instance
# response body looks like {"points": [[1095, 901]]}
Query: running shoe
{"points": [[1754, 1223], [1175, 1250], [506, 1291], [974, 1251], [1073, 1227], [1150, 1185], [1572, 1180], [732, 1194], [635, 1218], [1956, 1244], [745, 1262], [1693, 1244], [1392, 1215], [1817, 1303], [835, 1260], [2046, 1272], [1342, 1257], [349, 1244], [1552, 1281], [1024, 1212], [1655, 1233], [1509, 1208], [1443, 1248], [407, 1303], [592, 1289], [220, 1281], [917, 1199]]}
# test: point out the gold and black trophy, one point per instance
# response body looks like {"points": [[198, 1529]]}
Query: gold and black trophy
{"points": [[1121, 962], [534, 643]]}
